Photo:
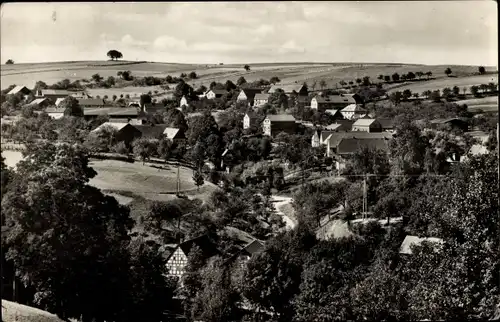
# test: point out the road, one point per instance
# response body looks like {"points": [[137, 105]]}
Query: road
{"points": [[280, 201]]}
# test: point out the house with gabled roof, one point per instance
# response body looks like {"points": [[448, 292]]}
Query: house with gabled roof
{"points": [[19, 89], [334, 139], [261, 99], [215, 93], [151, 131], [248, 95], [174, 134], [125, 132], [39, 103], [340, 101], [299, 89], [387, 124], [52, 93], [353, 111], [251, 119], [459, 123], [350, 146], [178, 259], [366, 125], [92, 102], [274, 124]]}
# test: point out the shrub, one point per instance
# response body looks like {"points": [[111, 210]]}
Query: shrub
{"points": [[120, 148]]}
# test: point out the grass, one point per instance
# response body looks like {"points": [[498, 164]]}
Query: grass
{"points": [[12, 311]]}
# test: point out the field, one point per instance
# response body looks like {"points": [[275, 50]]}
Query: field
{"points": [[136, 179], [14, 312], [331, 73], [461, 82], [486, 104]]}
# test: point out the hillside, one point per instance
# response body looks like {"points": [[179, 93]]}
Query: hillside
{"points": [[332, 73], [14, 312]]}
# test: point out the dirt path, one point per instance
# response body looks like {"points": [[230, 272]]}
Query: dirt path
{"points": [[280, 202]]}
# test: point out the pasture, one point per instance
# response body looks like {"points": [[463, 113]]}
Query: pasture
{"points": [[487, 104]]}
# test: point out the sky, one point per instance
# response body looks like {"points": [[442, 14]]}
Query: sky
{"points": [[423, 32]]}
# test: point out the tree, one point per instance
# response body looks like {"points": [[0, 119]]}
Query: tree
{"points": [[436, 96], [111, 81], [387, 78], [395, 77], [492, 87], [9, 62], [428, 74], [366, 81], [114, 54], [322, 84], [456, 90], [164, 149], [481, 70], [193, 75], [314, 84], [427, 93], [145, 99], [51, 213], [274, 80], [447, 92], [97, 78], [144, 148], [359, 80], [448, 71], [71, 107], [380, 77], [278, 99], [406, 94], [198, 179], [396, 97], [247, 67], [474, 90], [410, 75], [230, 85], [419, 74], [241, 81]]}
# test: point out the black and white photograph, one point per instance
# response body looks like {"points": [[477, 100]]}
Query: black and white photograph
{"points": [[272, 161]]}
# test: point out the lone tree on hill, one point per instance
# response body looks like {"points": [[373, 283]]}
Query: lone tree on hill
{"points": [[114, 54], [448, 71], [247, 67], [481, 69], [9, 62]]}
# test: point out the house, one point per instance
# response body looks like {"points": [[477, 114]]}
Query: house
{"points": [[274, 124], [58, 101], [367, 125], [316, 139], [334, 113], [353, 111], [183, 102], [334, 139], [52, 93], [152, 108], [414, 240], [301, 90], [261, 99], [340, 101], [174, 134], [134, 104], [177, 261], [19, 89], [80, 94], [340, 126], [387, 124], [242, 257], [92, 102], [454, 123], [215, 93], [151, 131], [250, 119], [124, 131], [248, 95], [349, 146]]}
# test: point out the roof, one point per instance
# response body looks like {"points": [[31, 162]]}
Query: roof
{"points": [[333, 127], [335, 137], [59, 100], [281, 118], [18, 89], [442, 121], [217, 91], [286, 88], [111, 111], [324, 134], [332, 112], [38, 101], [151, 131], [261, 96], [478, 149], [154, 108], [54, 110], [352, 145], [171, 132], [364, 122], [253, 248], [335, 99], [353, 108], [251, 92], [91, 101], [117, 126], [55, 92], [414, 240], [386, 123], [203, 242]]}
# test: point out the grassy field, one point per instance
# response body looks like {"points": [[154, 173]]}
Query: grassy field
{"points": [[440, 83], [332, 73], [14, 312], [486, 104]]}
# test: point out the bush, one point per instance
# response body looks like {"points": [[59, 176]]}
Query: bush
{"points": [[120, 148]]}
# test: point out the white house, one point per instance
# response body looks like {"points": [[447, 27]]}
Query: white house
{"points": [[183, 102], [54, 112], [248, 95], [353, 111], [315, 140], [215, 93], [249, 120], [261, 99]]}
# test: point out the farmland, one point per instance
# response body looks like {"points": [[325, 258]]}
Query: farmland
{"points": [[331, 73]]}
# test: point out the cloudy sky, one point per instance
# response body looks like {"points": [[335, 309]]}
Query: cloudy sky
{"points": [[430, 32]]}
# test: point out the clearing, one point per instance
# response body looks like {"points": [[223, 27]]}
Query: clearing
{"points": [[487, 104]]}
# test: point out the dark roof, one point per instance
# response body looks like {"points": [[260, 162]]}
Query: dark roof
{"points": [[154, 108], [151, 131], [262, 96], [218, 91], [351, 145], [337, 137], [386, 123], [287, 88], [203, 242], [335, 99], [250, 92], [111, 111], [91, 101], [346, 125], [55, 92], [253, 248]]}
